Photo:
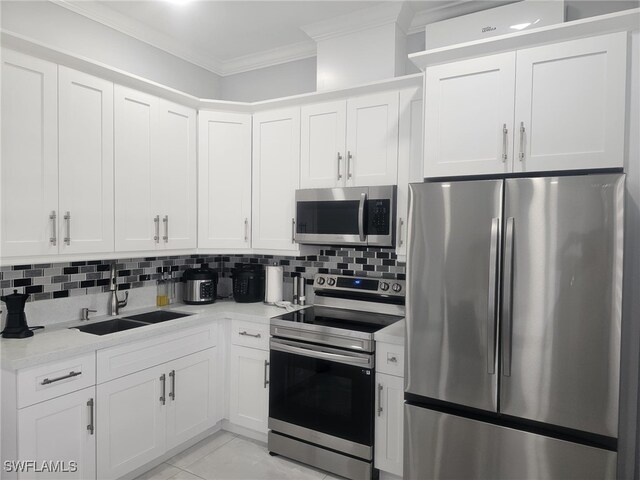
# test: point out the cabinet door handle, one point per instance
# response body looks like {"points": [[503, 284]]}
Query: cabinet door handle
{"points": [[380, 387], [339, 165], [53, 239], [156, 222], [266, 368], [505, 131], [392, 359], [521, 141], [401, 224], [163, 381], [246, 230], [90, 427], [71, 374], [349, 158], [293, 230], [172, 393], [247, 334], [67, 220], [165, 220]]}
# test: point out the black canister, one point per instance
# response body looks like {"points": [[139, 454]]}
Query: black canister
{"points": [[16, 326], [248, 283]]}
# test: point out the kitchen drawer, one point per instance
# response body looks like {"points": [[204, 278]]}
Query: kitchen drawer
{"points": [[44, 382], [390, 359], [132, 357], [249, 334]]}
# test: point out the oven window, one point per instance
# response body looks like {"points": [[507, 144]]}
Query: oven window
{"points": [[328, 397], [327, 218]]}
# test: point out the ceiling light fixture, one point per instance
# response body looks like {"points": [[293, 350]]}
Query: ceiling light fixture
{"points": [[179, 2]]}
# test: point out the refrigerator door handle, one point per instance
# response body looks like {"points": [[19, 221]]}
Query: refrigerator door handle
{"points": [[507, 298], [491, 303]]}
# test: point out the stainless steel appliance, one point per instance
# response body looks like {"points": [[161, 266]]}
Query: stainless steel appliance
{"points": [[200, 286], [513, 328], [322, 379], [346, 216]]}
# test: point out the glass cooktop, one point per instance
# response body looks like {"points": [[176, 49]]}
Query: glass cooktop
{"points": [[353, 320]]}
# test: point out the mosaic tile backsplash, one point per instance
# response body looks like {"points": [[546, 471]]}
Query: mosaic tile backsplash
{"points": [[57, 280]]}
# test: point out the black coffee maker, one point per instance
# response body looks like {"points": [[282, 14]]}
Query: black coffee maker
{"points": [[16, 326]]}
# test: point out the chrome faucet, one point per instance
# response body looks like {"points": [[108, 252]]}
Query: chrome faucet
{"points": [[114, 304]]}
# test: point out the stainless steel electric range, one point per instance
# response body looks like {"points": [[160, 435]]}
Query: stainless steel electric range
{"points": [[322, 378]]}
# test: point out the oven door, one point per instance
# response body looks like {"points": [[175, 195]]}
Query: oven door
{"points": [[322, 395], [331, 216]]}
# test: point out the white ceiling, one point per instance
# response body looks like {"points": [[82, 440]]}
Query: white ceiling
{"points": [[230, 36]]}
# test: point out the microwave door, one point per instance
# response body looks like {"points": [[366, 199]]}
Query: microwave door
{"points": [[331, 216]]}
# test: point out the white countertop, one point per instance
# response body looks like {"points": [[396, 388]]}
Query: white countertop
{"points": [[59, 341], [393, 334]]}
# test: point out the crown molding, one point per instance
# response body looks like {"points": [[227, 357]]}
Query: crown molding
{"points": [[392, 12], [144, 33], [269, 58]]}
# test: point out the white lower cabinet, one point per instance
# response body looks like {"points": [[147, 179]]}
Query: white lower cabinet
{"points": [[389, 423], [60, 429], [131, 420], [249, 388], [145, 414]]}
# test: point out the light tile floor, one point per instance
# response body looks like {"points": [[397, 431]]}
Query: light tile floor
{"points": [[224, 455]]}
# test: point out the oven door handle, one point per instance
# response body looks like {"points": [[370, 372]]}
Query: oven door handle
{"points": [[356, 361]]}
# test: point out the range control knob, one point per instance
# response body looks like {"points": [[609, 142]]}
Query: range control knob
{"points": [[320, 280], [396, 287], [331, 282], [384, 286]]}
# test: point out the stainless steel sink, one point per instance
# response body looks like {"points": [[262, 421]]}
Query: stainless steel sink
{"points": [[157, 316], [110, 326]]}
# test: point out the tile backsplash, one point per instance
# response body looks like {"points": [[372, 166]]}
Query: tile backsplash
{"points": [[58, 280]]}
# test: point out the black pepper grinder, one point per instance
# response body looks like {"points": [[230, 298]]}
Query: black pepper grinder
{"points": [[16, 326]]}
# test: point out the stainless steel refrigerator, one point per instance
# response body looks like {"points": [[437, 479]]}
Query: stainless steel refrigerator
{"points": [[513, 328]]}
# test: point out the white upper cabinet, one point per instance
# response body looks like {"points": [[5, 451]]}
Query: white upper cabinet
{"points": [[554, 107], [155, 173], [350, 142], [85, 163], [570, 104], [29, 156], [137, 217], [409, 159], [372, 140], [175, 177], [469, 116], [224, 180], [276, 166], [322, 145]]}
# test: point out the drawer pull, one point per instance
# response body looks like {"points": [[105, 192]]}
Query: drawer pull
{"points": [[247, 334], [71, 374], [392, 359]]}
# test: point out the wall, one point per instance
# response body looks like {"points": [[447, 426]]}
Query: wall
{"points": [[283, 80], [62, 29]]}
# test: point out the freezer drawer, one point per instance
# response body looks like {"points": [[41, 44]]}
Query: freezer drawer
{"points": [[442, 446]]}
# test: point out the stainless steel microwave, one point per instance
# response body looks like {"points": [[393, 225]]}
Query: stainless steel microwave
{"points": [[346, 216]]}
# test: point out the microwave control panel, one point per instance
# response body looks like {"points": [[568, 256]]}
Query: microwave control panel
{"points": [[379, 217]]}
